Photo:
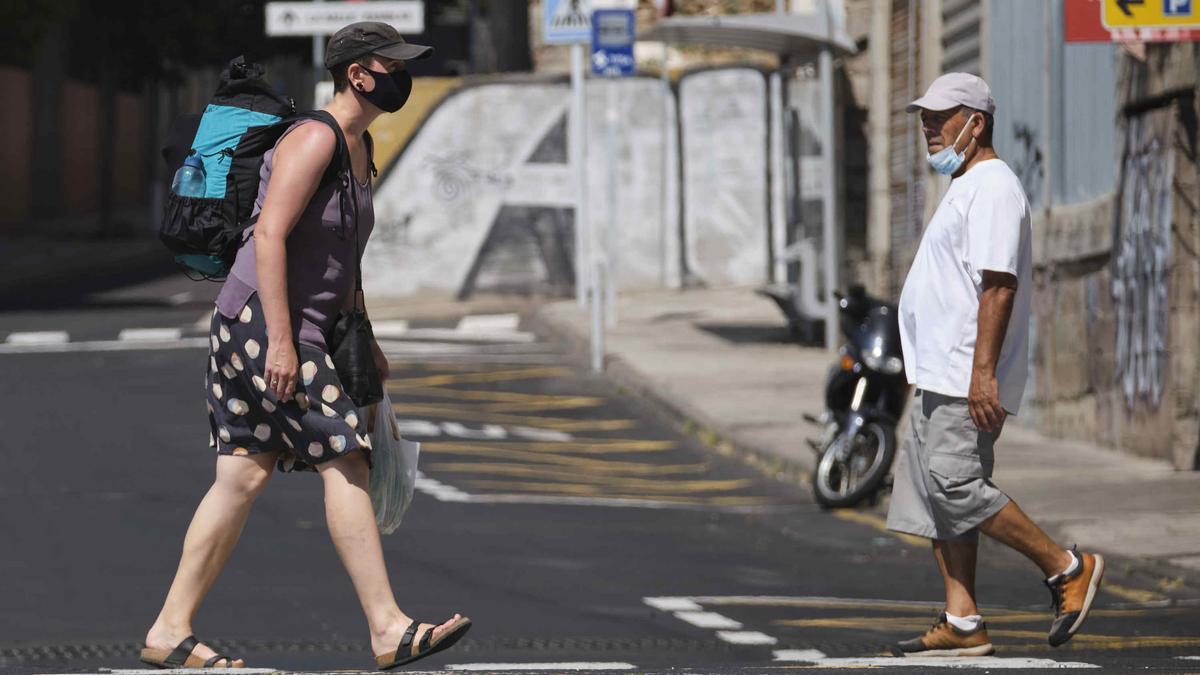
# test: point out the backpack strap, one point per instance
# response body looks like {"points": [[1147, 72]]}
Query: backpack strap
{"points": [[341, 153]]}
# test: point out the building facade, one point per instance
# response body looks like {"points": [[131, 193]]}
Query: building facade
{"points": [[1104, 139]]}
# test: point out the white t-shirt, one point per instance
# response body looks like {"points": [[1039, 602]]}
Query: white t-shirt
{"points": [[982, 223]]}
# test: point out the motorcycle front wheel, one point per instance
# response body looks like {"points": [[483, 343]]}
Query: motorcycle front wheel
{"points": [[845, 476]]}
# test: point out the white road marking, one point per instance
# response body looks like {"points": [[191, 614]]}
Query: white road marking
{"points": [[440, 491], [45, 337], [555, 500], [708, 620], [489, 323], [102, 346], [389, 329], [187, 671], [972, 662], [453, 334], [566, 665], [746, 637], [180, 298], [808, 601], [1188, 658], [150, 334], [673, 604], [204, 322], [801, 655]]}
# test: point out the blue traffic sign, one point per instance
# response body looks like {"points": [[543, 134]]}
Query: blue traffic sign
{"points": [[566, 21], [613, 31]]}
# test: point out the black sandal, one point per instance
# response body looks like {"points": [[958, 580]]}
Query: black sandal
{"points": [[182, 657], [408, 652]]}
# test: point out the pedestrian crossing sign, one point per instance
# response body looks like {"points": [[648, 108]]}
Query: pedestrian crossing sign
{"points": [[566, 21]]}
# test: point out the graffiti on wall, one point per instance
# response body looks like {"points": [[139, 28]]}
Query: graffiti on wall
{"points": [[482, 198], [1027, 162], [1140, 253]]}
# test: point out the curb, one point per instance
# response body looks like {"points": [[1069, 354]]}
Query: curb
{"points": [[670, 408]]}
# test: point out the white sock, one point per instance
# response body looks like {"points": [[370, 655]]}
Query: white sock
{"points": [[1070, 568], [964, 622]]}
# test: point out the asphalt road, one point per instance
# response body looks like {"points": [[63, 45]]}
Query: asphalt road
{"points": [[572, 524]]}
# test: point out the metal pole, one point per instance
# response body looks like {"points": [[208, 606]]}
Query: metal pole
{"points": [[666, 168], [578, 153], [612, 263], [879, 233], [829, 198], [778, 185], [597, 293], [318, 61]]}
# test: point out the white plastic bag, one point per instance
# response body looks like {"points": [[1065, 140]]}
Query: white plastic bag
{"points": [[393, 466]]}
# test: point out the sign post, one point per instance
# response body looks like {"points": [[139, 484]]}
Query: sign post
{"points": [[613, 32], [570, 22]]}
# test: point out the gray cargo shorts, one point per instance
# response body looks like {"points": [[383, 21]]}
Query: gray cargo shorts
{"points": [[943, 488]]}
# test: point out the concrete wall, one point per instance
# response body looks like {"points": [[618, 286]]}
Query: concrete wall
{"points": [[1117, 300], [482, 199]]}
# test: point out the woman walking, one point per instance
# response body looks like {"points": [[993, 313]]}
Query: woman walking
{"points": [[274, 398]]}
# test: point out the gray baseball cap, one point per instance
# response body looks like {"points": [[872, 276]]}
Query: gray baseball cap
{"points": [[371, 37], [954, 89]]}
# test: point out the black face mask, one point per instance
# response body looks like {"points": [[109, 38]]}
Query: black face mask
{"points": [[391, 90]]}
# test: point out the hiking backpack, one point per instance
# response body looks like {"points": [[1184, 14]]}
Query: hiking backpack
{"points": [[245, 118]]}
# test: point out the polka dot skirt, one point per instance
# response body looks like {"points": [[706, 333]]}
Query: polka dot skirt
{"points": [[316, 425]]}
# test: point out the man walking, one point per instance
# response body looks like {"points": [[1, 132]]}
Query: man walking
{"points": [[964, 324]]}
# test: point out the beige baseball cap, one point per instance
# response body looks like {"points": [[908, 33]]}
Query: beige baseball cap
{"points": [[954, 89]]}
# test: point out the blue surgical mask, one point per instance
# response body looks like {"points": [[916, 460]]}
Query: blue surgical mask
{"points": [[948, 160]]}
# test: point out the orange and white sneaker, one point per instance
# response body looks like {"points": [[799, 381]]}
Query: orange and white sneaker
{"points": [[946, 639], [1072, 595]]}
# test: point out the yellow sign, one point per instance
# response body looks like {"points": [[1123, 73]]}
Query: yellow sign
{"points": [[1150, 14]]}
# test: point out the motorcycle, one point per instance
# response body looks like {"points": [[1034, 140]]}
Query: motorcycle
{"points": [[865, 394]]}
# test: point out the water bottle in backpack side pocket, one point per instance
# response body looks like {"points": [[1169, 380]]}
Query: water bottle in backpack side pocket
{"points": [[189, 179]]}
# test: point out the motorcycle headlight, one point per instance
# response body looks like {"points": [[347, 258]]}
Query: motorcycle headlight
{"points": [[888, 365]]}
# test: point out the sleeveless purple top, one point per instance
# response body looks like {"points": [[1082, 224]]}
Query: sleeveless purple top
{"points": [[320, 261]]}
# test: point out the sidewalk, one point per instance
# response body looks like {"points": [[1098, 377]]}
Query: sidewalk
{"points": [[37, 265], [719, 361]]}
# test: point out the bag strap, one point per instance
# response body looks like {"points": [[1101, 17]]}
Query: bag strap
{"points": [[346, 175]]}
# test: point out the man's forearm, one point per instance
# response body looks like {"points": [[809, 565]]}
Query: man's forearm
{"points": [[995, 308]]}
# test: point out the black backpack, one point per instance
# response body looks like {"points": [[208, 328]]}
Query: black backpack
{"points": [[244, 119]]}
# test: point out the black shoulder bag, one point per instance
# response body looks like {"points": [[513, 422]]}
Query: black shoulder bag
{"points": [[351, 340]]}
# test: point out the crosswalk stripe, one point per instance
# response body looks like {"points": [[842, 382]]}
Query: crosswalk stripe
{"points": [[802, 655], [708, 620], [102, 346], [150, 334], [395, 328], [746, 637], [486, 323], [567, 665], [46, 337], [972, 662], [673, 604]]}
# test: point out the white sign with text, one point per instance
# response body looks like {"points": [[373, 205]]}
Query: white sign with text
{"points": [[325, 18]]}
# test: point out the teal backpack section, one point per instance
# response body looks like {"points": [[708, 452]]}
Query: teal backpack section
{"points": [[221, 128]]}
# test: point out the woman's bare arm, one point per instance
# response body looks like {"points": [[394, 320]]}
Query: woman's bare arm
{"points": [[299, 161]]}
